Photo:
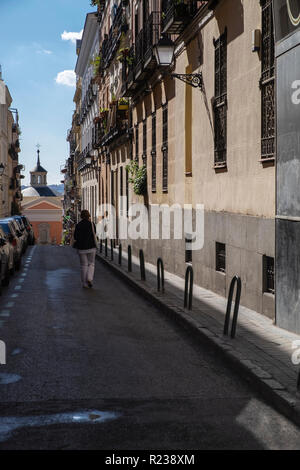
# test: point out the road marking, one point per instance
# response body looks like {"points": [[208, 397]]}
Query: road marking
{"points": [[21, 280], [18, 287], [9, 304], [14, 296]]}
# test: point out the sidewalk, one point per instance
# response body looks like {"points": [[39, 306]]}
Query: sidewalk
{"points": [[261, 352]]}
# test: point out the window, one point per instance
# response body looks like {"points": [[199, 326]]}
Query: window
{"points": [[188, 253], [145, 141], [220, 101], [267, 83], [127, 193], [268, 275], [137, 142], [220, 257], [165, 148], [153, 152]]}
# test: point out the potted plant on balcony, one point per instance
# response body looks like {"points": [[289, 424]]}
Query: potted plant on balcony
{"points": [[103, 112], [113, 100], [123, 53], [123, 104], [96, 62], [138, 177]]}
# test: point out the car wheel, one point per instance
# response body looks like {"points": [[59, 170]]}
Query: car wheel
{"points": [[18, 265]]}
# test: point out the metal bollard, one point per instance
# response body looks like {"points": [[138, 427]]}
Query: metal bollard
{"points": [[236, 280], [100, 245], [120, 254], [189, 282], [106, 247], [160, 275], [142, 265], [129, 259]]}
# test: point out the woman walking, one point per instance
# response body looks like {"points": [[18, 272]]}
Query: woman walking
{"points": [[86, 243]]}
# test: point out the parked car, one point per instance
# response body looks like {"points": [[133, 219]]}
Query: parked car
{"points": [[23, 229], [6, 259], [20, 232], [28, 226], [14, 240]]}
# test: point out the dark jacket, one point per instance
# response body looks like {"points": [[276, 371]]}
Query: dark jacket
{"points": [[84, 235]]}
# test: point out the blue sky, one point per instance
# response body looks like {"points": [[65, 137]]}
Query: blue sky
{"points": [[32, 54]]}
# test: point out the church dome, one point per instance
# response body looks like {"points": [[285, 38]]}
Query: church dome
{"points": [[38, 191]]}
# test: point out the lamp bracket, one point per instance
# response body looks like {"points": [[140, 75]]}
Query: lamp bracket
{"points": [[193, 79]]}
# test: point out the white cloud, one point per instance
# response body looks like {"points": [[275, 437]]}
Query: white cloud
{"points": [[71, 36], [44, 51], [40, 50], [67, 77]]}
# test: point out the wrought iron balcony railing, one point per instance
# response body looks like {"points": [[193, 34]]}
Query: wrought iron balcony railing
{"points": [[176, 14]]}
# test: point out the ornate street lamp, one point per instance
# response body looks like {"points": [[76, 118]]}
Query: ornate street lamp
{"points": [[88, 159], [164, 52]]}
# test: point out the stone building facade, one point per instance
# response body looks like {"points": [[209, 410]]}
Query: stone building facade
{"points": [[10, 181], [212, 145]]}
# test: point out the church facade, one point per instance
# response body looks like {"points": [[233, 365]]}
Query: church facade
{"points": [[43, 207]]}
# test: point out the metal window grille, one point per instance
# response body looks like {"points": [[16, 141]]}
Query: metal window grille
{"points": [[153, 152], [220, 101], [267, 82], [137, 142], [188, 253], [145, 141], [220, 257], [165, 148], [127, 193], [268, 275]]}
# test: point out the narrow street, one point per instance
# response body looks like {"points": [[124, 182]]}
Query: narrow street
{"points": [[103, 369]]}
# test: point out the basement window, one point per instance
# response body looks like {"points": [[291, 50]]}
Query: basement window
{"points": [[268, 275], [221, 257], [188, 252]]}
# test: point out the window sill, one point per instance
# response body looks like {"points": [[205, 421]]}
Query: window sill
{"points": [[220, 167], [267, 161], [269, 294]]}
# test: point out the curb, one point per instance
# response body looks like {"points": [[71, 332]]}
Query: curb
{"points": [[261, 380]]}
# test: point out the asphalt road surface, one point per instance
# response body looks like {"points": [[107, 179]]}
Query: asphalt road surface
{"points": [[104, 369]]}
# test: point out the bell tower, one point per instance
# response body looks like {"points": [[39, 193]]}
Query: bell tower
{"points": [[38, 176]]}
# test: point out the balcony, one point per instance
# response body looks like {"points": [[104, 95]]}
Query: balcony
{"points": [[176, 14], [13, 152], [118, 132], [142, 58], [111, 42]]}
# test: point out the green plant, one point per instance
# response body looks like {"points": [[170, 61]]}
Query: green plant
{"points": [[96, 64], [138, 177], [123, 54], [130, 60], [123, 101]]}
